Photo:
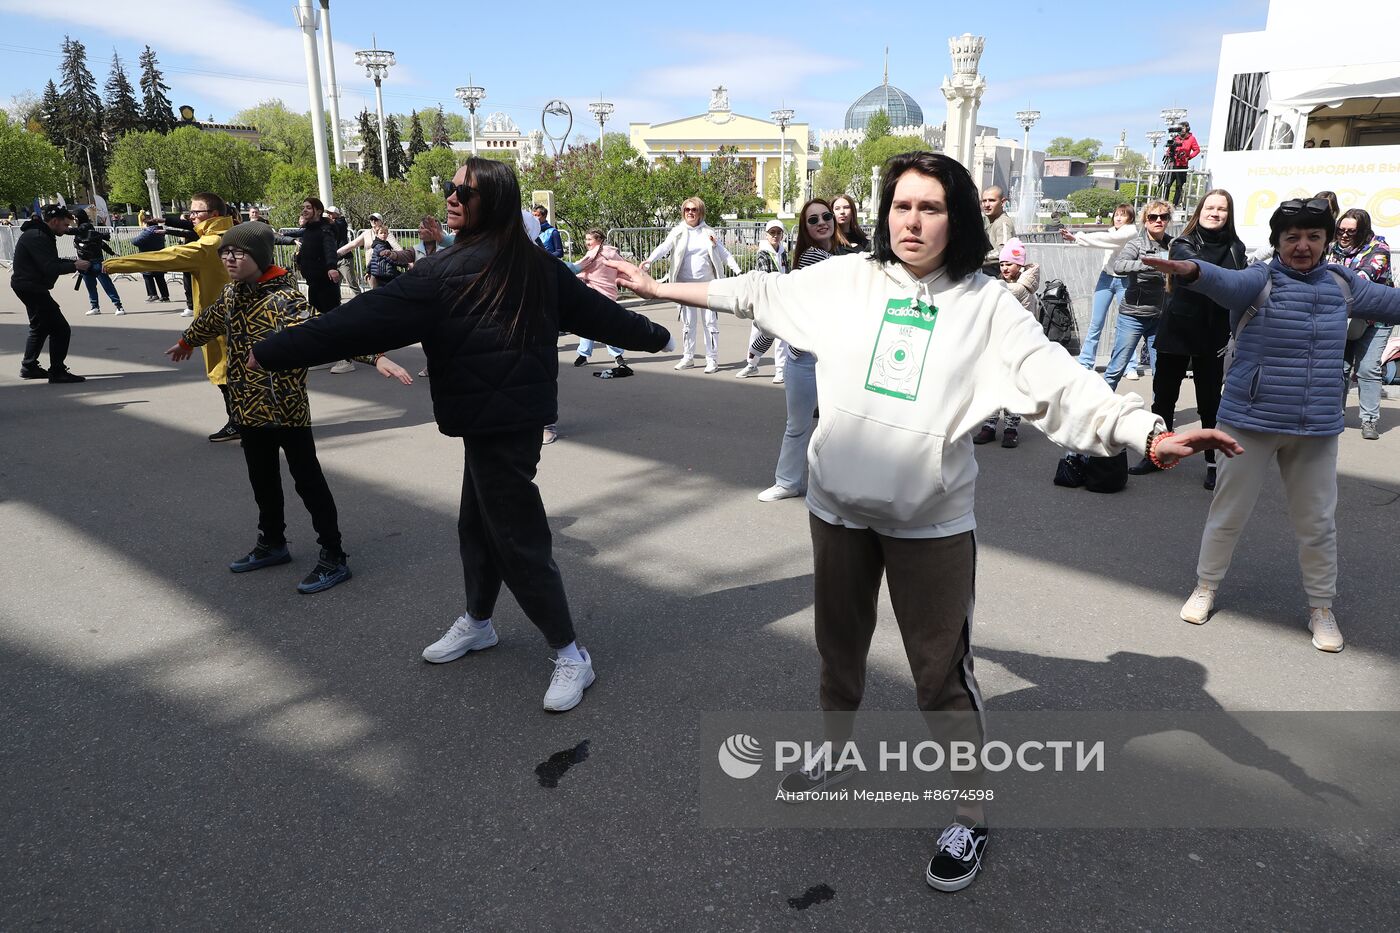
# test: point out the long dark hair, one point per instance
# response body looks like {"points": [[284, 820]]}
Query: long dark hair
{"points": [[804, 239], [967, 239], [854, 237], [508, 288], [1195, 221], [1364, 231]]}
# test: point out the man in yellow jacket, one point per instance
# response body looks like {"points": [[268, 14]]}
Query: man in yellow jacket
{"points": [[200, 258]]}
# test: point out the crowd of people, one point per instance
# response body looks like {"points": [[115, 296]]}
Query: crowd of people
{"points": [[899, 350]]}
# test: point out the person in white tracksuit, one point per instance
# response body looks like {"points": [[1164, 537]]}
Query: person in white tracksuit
{"points": [[697, 255]]}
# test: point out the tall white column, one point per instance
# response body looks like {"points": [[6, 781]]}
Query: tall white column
{"points": [[306, 19], [334, 95], [963, 91]]}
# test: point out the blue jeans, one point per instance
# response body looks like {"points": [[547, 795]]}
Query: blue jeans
{"points": [[95, 275], [1125, 340], [1366, 351], [1105, 290], [800, 387], [586, 345]]}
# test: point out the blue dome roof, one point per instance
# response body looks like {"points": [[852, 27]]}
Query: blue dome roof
{"points": [[898, 106]]}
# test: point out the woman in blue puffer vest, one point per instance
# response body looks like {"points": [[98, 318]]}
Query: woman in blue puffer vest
{"points": [[1283, 397]]}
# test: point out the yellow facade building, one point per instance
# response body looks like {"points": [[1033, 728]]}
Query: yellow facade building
{"points": [[701, 137]]}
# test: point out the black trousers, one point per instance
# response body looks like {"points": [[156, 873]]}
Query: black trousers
{"points": [[504, 536], [260, 447], [156, 286], [189, 291], [1175, 176], [322, 294], [1207, 371], [46, 322]]}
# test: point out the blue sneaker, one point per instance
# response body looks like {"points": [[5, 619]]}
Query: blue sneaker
{"points": [[262, 555], [329, 570]]}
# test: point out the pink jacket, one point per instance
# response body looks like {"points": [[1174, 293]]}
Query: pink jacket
{"points": [[596, 274]]}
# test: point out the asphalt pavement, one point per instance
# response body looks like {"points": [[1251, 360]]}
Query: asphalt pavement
{"points": [[187, 749]]}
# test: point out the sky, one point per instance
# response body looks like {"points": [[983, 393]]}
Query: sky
{"points": [[1091, 68]]}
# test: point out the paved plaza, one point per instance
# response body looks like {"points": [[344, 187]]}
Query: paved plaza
{"points": [[186, 749]]}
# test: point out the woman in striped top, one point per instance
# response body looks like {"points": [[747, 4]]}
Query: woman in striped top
{"points": [[817, 239]]}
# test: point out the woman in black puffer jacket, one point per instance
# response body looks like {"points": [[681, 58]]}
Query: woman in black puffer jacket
{"points": [[1194, 330], [488, 311], [91, 244]]}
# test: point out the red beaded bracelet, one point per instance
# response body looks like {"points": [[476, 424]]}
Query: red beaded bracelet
{"points": [[1152, 451]]}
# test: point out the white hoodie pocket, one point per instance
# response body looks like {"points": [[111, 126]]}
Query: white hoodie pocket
{"points": [[876, 472]]}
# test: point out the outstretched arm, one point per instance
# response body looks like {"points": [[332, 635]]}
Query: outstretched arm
{"points": [[1229, 288]]}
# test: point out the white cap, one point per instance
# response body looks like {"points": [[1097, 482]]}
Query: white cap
{"points": [[775, 223], [376, 216], [332, 209]]}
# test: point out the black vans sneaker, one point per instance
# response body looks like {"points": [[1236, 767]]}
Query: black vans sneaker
{"points": [[228, 432], [262, 555], [32, 371], [330, 570], [60, 374], [817, 778], [959, 855]]}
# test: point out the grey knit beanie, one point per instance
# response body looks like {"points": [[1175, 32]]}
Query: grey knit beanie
{"points": [[254, 239]]}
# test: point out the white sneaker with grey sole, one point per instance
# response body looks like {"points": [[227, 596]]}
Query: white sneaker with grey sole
{"points": [[775, 492], [568, 682], [464, 635], [1198, 605], [344, 366]]}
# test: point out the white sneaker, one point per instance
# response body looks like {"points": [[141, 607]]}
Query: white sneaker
{"points": [[1326, 636], [463, 636], [778, 379], [313, 369], [344, 366], [94, 311], [119, 311], [1198, 605], [1131, 374], [775, 492], [686, 363], [568, 682], [711, 366], [750, 369], [187, 313]]}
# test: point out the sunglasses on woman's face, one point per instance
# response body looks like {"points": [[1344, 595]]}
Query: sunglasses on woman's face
{"points": [[823, 217], [1159, 217], [1312, 206], [463, 191], [690, 210], [1342, 231]]}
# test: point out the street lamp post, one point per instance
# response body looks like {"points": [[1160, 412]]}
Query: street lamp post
{"points": [[376, 62], [1154, 137], [601, 111], [782, 117], [471, 96], [1027, 119]]}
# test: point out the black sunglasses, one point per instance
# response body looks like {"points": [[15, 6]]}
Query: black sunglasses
{"points": [[463, 191], [1159, 216], [821, 218], [1311, 206]]}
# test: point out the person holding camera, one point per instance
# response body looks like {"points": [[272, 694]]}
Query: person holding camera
{"points": [[36, 268], [1182, 147]]}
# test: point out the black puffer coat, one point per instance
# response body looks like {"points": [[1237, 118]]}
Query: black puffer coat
{"points": [[481, 383], [1192, 324], [37, 265]]}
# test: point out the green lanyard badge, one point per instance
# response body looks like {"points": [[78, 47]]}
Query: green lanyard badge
{"points": [[901, 349]]}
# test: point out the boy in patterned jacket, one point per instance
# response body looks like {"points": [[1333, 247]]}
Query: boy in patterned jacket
{"points": [[271, 409]]}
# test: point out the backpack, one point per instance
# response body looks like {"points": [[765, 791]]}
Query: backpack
{"points": [[1056, 316], [379, 265]]}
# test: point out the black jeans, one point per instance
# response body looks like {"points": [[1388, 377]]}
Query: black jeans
{"points": [[1175, 176], [46, 322], [156, 286], [260, 446], [1207, 371], [322, 294], [504, 536]]}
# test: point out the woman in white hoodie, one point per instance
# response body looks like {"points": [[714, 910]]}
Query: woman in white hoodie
{"points": [[1109, 286], [915, 348], [697, 255]]}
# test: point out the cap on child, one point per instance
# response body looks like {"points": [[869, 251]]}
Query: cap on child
{"points": [[1013, 251], [253, 239]]}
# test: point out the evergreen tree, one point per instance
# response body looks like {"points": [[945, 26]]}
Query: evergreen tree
{"points": [[440, 138], [398, 159], [51, 112], [123, 113], [155, 106], [417, 145], [80, 119], [369, 143]]}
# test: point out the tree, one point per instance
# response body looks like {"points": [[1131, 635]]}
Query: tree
{"points": [[186, 161], [369, 144], [122, 113], [24, 110], [1086, 149], [1133, 162], [440, 138], [283, 132], [1096, 202], [50, 111], [730, 182], [878, 126], [80, 116], [359, 195], [159, 116], [34, 167], [876, 152], [287, 187], [417, 145], [836, 174], [398, 159], [439, 163]]}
